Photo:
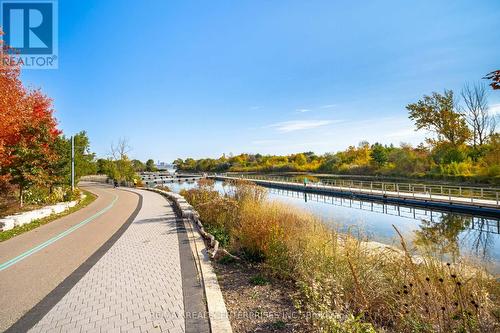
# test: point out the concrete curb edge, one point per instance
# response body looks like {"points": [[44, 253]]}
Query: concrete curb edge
{"points": [[218, 315]]}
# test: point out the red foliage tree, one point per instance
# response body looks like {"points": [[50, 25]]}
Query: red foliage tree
{"points": [[495, 79], [28, 129]]}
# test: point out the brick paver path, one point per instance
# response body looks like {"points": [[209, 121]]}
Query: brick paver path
{"points": [[135, 287]]}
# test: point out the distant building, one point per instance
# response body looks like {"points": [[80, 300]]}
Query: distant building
{"points": [[161, 165]]}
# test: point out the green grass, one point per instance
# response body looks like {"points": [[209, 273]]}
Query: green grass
{"points": [[259, 280], [220, 235], [4, 235], [278, 325], [227, 260]]}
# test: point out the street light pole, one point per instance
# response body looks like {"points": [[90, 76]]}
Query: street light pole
{"points": [[72, 163]]}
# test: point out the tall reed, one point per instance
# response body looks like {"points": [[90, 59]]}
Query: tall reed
{"points": [[345, 284]]}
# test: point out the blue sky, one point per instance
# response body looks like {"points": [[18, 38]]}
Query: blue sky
{"points": [[202, 78]]}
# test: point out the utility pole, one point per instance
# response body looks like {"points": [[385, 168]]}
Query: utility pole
{"points": [[73, 163]]}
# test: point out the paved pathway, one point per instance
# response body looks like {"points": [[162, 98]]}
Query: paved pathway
{"points": [[41, 259], [137, 286]]}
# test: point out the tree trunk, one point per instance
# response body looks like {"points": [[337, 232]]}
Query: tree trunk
{"points": [[21, 190]]}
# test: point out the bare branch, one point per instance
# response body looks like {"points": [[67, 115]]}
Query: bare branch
{"points": [[476, 112], [121, 149]]}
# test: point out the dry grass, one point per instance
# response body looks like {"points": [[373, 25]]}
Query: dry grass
{"points": [[343, 284], [160, 187]]}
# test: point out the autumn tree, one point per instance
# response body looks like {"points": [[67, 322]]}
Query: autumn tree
{"points": [[31, 151], [12, 102], [300, 159], [28, 130], [494, 77], [491, 159], [437, 113]]}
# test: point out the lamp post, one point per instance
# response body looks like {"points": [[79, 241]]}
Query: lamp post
{"points": [[72, 163]]}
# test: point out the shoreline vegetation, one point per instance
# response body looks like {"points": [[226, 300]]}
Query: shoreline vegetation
{"points": [[339, 283], [462, 144], [420, 163]]}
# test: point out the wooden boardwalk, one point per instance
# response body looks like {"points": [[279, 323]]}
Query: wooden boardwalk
{"points": [[488, 203], [152, 179]]}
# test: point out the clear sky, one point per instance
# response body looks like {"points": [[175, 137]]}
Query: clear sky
{"points": [[202, 78]]}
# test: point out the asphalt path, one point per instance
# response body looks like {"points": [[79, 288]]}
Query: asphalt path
{"points": [[33, 264]]}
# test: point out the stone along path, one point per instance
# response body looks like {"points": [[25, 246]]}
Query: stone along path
{"points": [[137, 286]]}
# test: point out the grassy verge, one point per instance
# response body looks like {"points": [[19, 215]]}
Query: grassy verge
{"points": [[4, 235], [341, 283]]}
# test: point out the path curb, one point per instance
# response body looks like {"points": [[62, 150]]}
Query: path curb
{"points": [[217, 312]]}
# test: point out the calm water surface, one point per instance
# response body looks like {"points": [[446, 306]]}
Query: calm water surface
{"points": [[457, 233]]}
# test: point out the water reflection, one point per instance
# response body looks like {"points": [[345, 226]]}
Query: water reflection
{"points": [[447, 235], [450, 233], [443, 235], [446, 232]]}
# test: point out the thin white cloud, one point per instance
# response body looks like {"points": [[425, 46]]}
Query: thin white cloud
{"points": [[404, 133], [495, 109], [303, 110], [328, 106], [264, 142], [299, 125]]}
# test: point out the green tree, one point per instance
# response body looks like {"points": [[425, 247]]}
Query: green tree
{"points": [[28, 167], [150, 166], [138, 166], [102, 166], [84, 158], [379, 154], [436, 113], [85, 163], [121, 168]]}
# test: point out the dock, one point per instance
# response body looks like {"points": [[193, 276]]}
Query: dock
{"points": [[484, 201]]}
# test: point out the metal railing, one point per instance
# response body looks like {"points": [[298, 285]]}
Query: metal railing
{"points": [[489, 225], [431, 191]]}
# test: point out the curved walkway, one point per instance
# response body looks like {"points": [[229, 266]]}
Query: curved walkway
{"points": [[34, 270], [137, 286]]}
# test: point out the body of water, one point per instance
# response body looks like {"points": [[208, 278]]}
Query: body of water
{"points": [[458, 234]]}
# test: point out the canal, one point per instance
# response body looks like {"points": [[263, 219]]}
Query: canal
{"points": [[456, 234]]}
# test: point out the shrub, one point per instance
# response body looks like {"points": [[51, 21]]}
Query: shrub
{"points": [[56, 196], [40, 195], [36, 195], [70, 195]]}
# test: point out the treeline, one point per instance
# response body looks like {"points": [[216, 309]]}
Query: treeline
{"points": [[463, 143]]}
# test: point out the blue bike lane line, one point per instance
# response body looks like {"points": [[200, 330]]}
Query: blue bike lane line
{"points": [[54, 239]]}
